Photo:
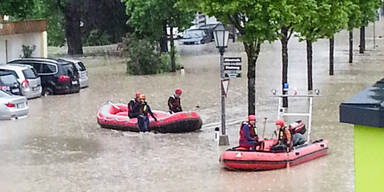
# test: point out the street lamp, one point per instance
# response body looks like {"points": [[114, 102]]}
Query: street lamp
{"points": [[221, 38]]}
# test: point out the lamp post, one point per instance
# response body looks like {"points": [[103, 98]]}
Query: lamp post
{"points": [[221, 38]]}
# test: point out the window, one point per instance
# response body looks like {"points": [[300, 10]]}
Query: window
{"points": [[80, 66], [10, 71], [29, 73], [8, 79], [47, 68]]}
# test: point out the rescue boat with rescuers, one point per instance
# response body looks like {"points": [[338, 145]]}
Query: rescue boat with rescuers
{"points": [[115, 116], [290, 148]]}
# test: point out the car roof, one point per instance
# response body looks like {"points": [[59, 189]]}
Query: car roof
{"points": [[72, 60], [42, 59], [15, 66]]}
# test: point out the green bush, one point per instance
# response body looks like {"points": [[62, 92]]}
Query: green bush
{"points": [[28, 50], [142, 57], [96, 38]]}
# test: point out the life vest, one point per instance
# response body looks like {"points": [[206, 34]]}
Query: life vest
{"points": [[252, 132], [282, 136], [174, 104]]}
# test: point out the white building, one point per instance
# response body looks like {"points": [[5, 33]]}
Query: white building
{"points": [[13, 35]]}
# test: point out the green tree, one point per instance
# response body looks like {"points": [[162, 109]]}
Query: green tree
{"points": [[150, 19], [354, 20], [16, 8], [253, 21], [320, 19], [285, 15], [368, 10]]}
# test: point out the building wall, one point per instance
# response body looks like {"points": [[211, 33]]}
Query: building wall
{"points": [[11, 45]]}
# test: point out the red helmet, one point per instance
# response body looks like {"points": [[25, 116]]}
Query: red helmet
{"points": [[280, 122], [178, 91], [138, 94], [251, 118]]}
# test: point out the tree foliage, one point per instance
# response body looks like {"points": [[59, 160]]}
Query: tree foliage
{"points": [[16, 8], [368, 10], [253, 21]]}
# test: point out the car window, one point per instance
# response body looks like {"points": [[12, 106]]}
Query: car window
{"points": [[10, 71], [30, 73], [194, 34], [4, 94], [36, 66], [80, 66], [8, 79], [69, 69], [48, 68]]}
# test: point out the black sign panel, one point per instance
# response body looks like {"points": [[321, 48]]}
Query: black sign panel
{"points": [[232, 59], [232, 74]]}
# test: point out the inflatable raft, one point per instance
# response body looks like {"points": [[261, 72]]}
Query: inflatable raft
{"points": [[115, 116], [239, 158]]}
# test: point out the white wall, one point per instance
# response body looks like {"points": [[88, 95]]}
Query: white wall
{"points": [[15, 42]]}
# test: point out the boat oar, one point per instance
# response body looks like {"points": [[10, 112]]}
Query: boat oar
{"points": [[265, 123]]}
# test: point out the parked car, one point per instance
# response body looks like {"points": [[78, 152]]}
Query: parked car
{"points": [[12, 106], [82, 71], [27, 77], [209, 28], [9, 83], [194, 36], [58, 76]]}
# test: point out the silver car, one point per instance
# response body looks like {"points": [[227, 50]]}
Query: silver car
{"points": [[12, 106], [30, 82], [83, 79]]}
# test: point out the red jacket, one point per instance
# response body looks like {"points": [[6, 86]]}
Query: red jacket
{"points": [[248, 135]]}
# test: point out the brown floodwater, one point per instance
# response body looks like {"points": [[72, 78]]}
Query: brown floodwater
{"points": [[60, 146]]}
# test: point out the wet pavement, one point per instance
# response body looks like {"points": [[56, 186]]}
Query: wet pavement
{"points": [[60, 147]]}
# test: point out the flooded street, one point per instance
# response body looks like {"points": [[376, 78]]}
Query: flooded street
{"points": [[60, 146]]}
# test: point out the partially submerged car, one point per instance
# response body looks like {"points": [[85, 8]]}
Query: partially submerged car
{"points": [[26, 75], [13, 106], [194, 36], [9, 83], [82, 72]]}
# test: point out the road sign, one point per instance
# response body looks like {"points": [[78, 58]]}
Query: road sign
{"points": [[225, 84], [232, 74], [232, 60], [236, 67]]}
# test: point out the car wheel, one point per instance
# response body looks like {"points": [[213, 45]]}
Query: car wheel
{"points": [[46, 92]]}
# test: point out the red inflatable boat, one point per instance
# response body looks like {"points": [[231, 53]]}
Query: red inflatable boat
{"points": [[242, 159], [115, 116]]}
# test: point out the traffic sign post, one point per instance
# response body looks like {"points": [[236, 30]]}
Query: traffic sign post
{"points": [[232, 67]]}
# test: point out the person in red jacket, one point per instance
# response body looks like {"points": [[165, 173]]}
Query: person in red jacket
{"points": [[174, 102], [248, 133]]}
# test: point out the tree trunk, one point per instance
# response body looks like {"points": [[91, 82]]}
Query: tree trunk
{"points": [[173, 50], [252, 50], [72, 27], [309, 65], [284, 56], [351, 46], [163, 40], [331, 53], [362, 39]]}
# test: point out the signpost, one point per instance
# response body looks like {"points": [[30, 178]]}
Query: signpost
{"points": [[232, 67]]}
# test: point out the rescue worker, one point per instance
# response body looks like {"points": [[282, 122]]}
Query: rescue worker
{"points": [[174, 102], [142, 119], [284, 135], [248, 133], [134, 106]]}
